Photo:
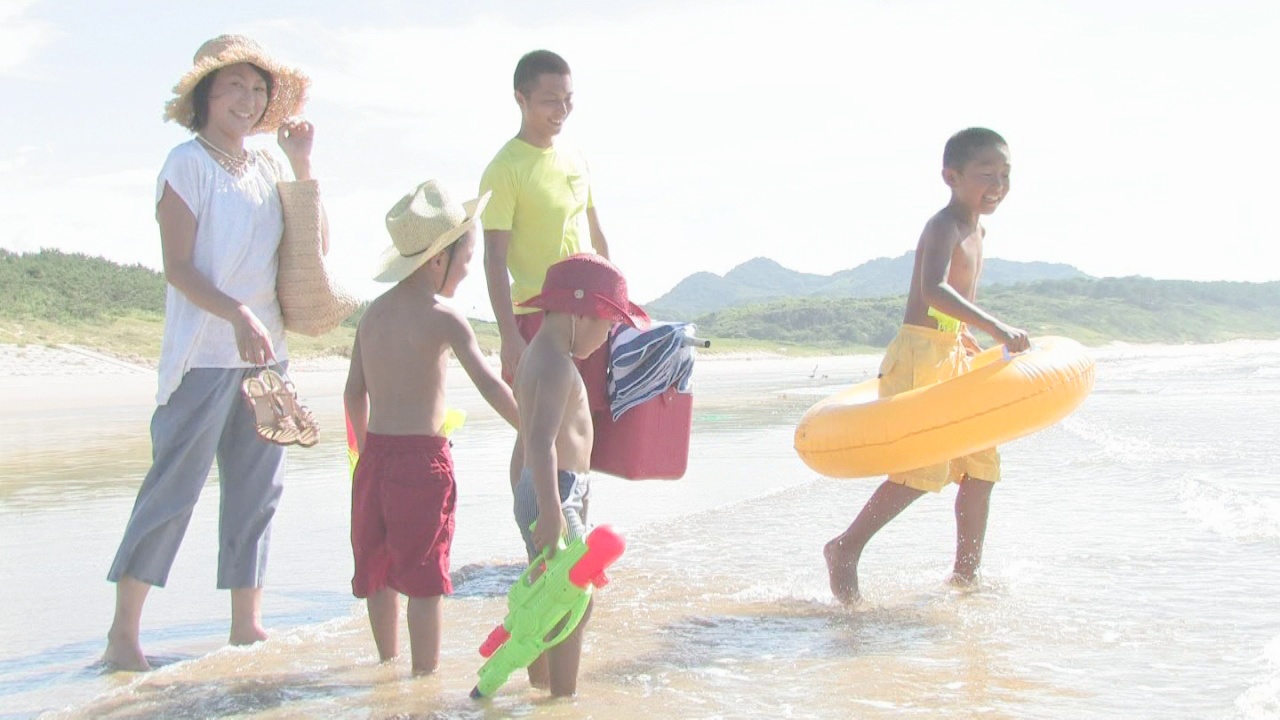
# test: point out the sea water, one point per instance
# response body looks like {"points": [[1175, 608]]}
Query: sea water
{"points": [[1130, 569]]}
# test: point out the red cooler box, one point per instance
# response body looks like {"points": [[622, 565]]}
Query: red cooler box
{"points": [[648, 442]]}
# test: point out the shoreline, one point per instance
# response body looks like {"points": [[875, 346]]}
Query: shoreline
{"points": [[43, 360], [37, 360]]}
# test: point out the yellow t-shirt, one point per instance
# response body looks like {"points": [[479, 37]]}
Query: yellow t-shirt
{"points": [[541, 195]]}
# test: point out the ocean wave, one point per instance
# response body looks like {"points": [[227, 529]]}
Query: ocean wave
{"points": [[1129, 449], [1262, 700], [1235, 359], [1235, 515]]}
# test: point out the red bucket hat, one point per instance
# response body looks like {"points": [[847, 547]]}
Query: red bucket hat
{"points": [[587, 284]]}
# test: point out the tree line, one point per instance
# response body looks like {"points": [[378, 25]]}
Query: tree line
{"points": [[76, 288]]}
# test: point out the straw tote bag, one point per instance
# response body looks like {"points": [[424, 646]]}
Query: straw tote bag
{"points": [[310, 301]]}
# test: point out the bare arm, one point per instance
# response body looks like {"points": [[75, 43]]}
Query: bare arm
{"points": [[540, 424], [966, 335], [938, 245], [355, 398], [178, 242], [296, 138], [324, 231], [597, 235], [496, 243], [462, 340]]}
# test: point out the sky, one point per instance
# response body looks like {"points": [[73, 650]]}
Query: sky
{"points": [[1143, 133]]}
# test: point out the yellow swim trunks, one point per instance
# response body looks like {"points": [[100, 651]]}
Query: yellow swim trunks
{"points": [[921, 356]]}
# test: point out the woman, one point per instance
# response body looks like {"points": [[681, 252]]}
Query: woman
{"points": [[220, 224]]}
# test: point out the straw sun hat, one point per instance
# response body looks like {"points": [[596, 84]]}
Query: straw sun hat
{"points": [[289, 85], [421, 224]]}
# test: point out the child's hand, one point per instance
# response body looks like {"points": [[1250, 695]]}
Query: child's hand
{"points": [[970, 343], [548, 531], [510, 352], [1012, 338]]}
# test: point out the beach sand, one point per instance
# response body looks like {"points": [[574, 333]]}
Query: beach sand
{"points": [[62, 377], [69, 376]]}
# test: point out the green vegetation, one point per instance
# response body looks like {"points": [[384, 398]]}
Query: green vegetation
{"points": [[1092, 310], [51, 285], [52, 297]]}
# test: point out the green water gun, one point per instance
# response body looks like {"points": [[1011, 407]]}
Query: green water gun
{"points": [[551, 596]]}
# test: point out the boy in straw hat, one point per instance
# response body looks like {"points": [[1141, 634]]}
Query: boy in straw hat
{"points": [[582, 297], [403, 496]]}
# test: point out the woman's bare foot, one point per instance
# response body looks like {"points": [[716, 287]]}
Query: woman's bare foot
{"points": [[960, 579], [124, 654], [247, 635], [246, 616], [842, 572]]}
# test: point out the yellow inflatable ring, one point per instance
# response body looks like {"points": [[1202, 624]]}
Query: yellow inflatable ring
{"points": [[855, 433]]}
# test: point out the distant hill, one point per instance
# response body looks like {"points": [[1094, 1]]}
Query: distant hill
{"points": [[53, 297], [1091, 310], [762, 279]]}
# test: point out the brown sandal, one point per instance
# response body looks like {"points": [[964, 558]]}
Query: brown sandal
{"points": [[270, 421], [286, 396]]}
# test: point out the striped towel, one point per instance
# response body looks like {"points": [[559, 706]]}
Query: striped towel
{"points": [[644, 363]]}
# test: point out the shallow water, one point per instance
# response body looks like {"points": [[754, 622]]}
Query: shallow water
{"points": [[1130, 568]]}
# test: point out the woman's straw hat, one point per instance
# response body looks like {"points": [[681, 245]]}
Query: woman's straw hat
{"points": [[289, 85], [421, 224]]}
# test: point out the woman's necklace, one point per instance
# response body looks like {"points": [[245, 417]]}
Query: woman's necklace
{"points": [[234, 165]]}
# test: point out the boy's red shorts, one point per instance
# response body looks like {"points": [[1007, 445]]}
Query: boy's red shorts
{"points": [[403, 501]]}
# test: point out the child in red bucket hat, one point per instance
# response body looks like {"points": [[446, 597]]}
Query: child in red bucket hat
{"points": [[582, 297]]}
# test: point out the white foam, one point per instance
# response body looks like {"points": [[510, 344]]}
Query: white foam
{"points": [[1262, 700], [1126, 448], [1235, 515]]}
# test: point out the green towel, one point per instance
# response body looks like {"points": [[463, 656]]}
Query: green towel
{"points": [[946, 323]]}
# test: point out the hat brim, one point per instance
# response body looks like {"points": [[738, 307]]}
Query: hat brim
{"points": [[394, 267], [288, 92], [593, 304]]}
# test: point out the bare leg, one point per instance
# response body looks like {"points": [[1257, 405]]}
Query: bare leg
{"points": [[426, 618], [246, 616], [539, 675], [384, 618], [973, 503], [563, 660], [843, 551], [553, 665], [124, 649]]}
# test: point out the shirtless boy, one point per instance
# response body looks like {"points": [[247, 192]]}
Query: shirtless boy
{"points": [[582, 297], [935, 344]]}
